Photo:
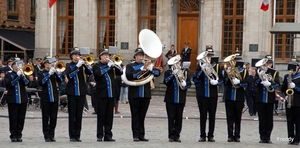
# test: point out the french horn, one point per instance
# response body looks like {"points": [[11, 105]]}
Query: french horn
{"points": [[206, 66], [151, 45]]}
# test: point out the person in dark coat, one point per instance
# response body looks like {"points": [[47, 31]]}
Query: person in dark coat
{"points": [[76, 91], [292, 81], [265, 100], [251, 91], [207, 97], [234, 100], [17, 100], [37, 67], [175, 98], [139, 96], [186, 52], [49, 80], [104, 73]]}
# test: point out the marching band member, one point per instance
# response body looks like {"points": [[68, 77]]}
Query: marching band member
{"points": [[207, 97], [104, 72], [265, 99], [17, 100], [291, 82], [177, 81], [49, 80], [139, 96], [76, 92], [234, 99]]}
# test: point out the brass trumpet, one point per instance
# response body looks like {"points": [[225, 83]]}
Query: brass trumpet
{"points": [[28, 69], [89, 60], [117, 59], [60, 66]]}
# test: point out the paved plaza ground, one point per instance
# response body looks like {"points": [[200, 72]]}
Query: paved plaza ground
{"points": [[156, 129]]}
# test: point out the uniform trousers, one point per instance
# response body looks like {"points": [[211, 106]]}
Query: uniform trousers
{"points": [[207, 105], [265, 117], [138, 109], [49, 118], [75, 109], [16, 114], [105, 115], [175, 112], [233, 116], [293, 123]]}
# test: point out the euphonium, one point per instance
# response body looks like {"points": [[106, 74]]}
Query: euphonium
{"points": [[151, 45], [206, 67], [232, 71], [28, 69], [60, 66], [179, 75], [289, 91], [261, 71]]}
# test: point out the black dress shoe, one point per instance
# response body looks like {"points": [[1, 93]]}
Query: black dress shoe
{"points": [[47, 140], [229, 139], [99, 139], [237, 140], [211, 139], [136, 139], [268, 141], [262, 141], [177, 140], [109, 139], [14, 140], [52, 140], [19, 140], [144, 139], [171, 140], [295, 143], [77, 140], [202, 139], [72, 140]]}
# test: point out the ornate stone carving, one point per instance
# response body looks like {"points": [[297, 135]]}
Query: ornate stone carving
{"points": [[189, 5]]}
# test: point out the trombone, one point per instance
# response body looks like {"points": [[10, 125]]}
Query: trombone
{"points": [[89, 60], [60, 66]]}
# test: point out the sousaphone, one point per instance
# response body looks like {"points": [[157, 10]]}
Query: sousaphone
{"points": [[151, 45]]}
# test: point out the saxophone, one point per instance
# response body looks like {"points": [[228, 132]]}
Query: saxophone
{"points": [[232, 71], [289, 91]]}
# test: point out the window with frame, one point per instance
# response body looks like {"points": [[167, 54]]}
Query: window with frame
{"points": [[147, 15], [65, 27], [106, 24], [284, 43], [233, 21], [32, 10], [12, 12]]}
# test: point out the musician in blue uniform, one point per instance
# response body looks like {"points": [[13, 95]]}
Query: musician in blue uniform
{"points": [[105, 72], [76, 72], [177, 82], [292, 82], [265, 99], [17, 100], [139, 96], [49, 79], [234, 99], [207, 96]]}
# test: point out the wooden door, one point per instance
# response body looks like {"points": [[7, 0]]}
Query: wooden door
{"points": [[188, 32]]}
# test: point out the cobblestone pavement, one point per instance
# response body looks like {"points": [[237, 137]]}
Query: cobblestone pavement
{"points": [[156, 129]]}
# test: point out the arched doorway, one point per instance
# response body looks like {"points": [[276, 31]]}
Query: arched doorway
{"points": [[187, 31]]}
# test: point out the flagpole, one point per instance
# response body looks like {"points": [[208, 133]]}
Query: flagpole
{"points": [[51, 31], [273, 35]]}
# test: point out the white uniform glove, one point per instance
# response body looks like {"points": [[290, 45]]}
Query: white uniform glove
{"points": [[266, 83], [174, 72], [236, 81], [214, 82], [80, 62], [150, 67], [183, 83], [292, 85], [20, 72], [110, 63], [52, 71]]}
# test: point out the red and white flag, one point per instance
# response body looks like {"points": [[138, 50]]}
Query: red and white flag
{"points": [[264, 5], [51, 2]]}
